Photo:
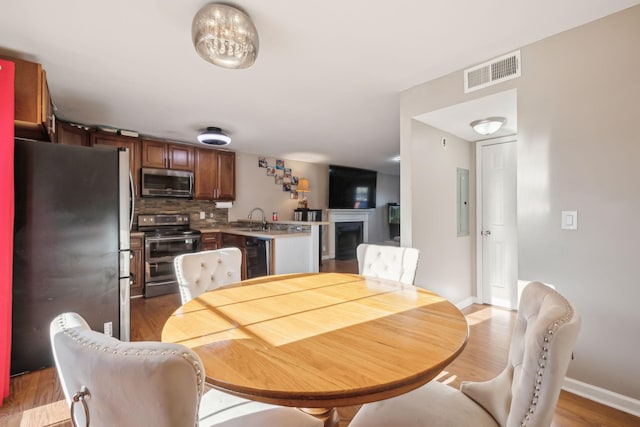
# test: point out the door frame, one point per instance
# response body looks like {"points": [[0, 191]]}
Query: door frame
{"points": [[479, 253]]}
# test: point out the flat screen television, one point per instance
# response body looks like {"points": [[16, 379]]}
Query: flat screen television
{"points": [[351, 188]]}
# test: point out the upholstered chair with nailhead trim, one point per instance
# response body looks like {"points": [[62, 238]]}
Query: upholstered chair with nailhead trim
{"points": [[388, 262], [204, 271], [108, 382], [524, 394]]}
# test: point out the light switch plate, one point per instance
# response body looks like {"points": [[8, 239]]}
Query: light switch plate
{"points": [[569, 220]]}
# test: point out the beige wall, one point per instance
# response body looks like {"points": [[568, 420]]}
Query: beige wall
{"points": [[255, 189], [445, 265], [578, 149]]}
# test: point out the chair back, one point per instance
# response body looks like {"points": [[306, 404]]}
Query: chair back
{"points": [[200, 272], [527, 391], [388, 262], [129, 383]]}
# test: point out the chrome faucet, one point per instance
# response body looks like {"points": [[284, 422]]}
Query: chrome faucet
{"points": [[264, 220]]}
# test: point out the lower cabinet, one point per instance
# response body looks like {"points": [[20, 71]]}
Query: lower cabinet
{"points": [[136, 283], [228, 240], [294, 255], [209, 241]]}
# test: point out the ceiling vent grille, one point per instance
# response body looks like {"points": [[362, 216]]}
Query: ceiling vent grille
{"points": [[492, 72]]}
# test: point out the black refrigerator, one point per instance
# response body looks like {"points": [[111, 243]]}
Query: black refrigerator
{"points": [[71, 244]]}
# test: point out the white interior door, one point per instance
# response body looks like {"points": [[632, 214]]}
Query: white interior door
{"points": [[499, 224]]}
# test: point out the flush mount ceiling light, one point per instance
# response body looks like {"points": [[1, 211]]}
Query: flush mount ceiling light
{"points": [[225, 36], [488, 126], [214, 136]]}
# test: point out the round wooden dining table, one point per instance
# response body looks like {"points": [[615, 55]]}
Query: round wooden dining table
{"points": [[320, 340]]}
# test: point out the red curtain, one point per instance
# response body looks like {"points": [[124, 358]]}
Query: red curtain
{"points": [[7, 72]]}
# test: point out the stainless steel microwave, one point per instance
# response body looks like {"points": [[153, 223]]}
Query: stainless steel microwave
{"points": [[166, 183]]}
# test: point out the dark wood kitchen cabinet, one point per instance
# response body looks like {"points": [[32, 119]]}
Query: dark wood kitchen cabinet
{"points": [[209, 241], [159, 154], [68, 134], [215, 175], [33, 106], [136, 283], [132, 143], [228, 240]]}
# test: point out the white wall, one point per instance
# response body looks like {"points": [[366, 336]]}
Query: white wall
{"points": [[447, 264], [578, 149]]}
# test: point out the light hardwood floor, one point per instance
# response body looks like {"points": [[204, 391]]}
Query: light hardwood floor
{"points": [[37, 400]]}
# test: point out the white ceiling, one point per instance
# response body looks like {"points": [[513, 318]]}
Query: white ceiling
{"points": [[325, 86], [457, 119]]}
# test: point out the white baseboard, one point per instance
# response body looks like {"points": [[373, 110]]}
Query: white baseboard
{"points": [[604, 396], [464, 303]]}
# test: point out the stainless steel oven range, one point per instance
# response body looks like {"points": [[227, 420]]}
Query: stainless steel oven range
{"points": [[165, 237]]}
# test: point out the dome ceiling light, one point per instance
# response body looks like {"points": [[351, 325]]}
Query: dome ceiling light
{"points": [[214, 136], [488, 126], [225, 36]]}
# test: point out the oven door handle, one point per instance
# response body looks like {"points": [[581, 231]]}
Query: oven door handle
{"points": [[171, 239]]}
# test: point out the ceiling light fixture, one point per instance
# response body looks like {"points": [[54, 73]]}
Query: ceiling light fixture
{"points": [[225, 36], [214, 136], [488, 126]]}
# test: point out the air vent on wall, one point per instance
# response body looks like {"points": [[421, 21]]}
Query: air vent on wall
{"points": [[492, 72]]}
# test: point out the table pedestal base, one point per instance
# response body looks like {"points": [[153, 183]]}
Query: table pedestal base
{"points": [[329, 416]]}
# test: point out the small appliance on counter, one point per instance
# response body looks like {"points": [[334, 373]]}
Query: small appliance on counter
{"points": [[309, 215], [165, 237]]}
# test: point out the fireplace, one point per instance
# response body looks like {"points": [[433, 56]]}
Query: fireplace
{"points": [[337, 217], [348, 237]]}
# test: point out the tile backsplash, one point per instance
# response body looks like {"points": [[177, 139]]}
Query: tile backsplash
{"points": [[152, 205]]}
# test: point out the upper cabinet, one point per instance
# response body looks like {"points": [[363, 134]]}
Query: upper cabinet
{"points": [[159, 154], [226, 175], [33, 107], [215, 175], [132, 143], [69, 134]]}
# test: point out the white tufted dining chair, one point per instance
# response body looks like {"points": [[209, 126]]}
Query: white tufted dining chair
{"points": [[108, 382], [200, 272], [524, 394], [388, 262]]}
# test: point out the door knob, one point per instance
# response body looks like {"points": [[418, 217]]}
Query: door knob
{"points": [[487, 233]]}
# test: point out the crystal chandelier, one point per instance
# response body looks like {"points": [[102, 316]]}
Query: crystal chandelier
{"points": [[225, 36]]}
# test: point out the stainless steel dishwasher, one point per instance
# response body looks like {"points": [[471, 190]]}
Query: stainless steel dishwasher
{"points": [[258, 257]]}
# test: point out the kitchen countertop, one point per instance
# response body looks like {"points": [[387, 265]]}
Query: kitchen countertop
{"points": [[301, 222], [245, 231]]}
